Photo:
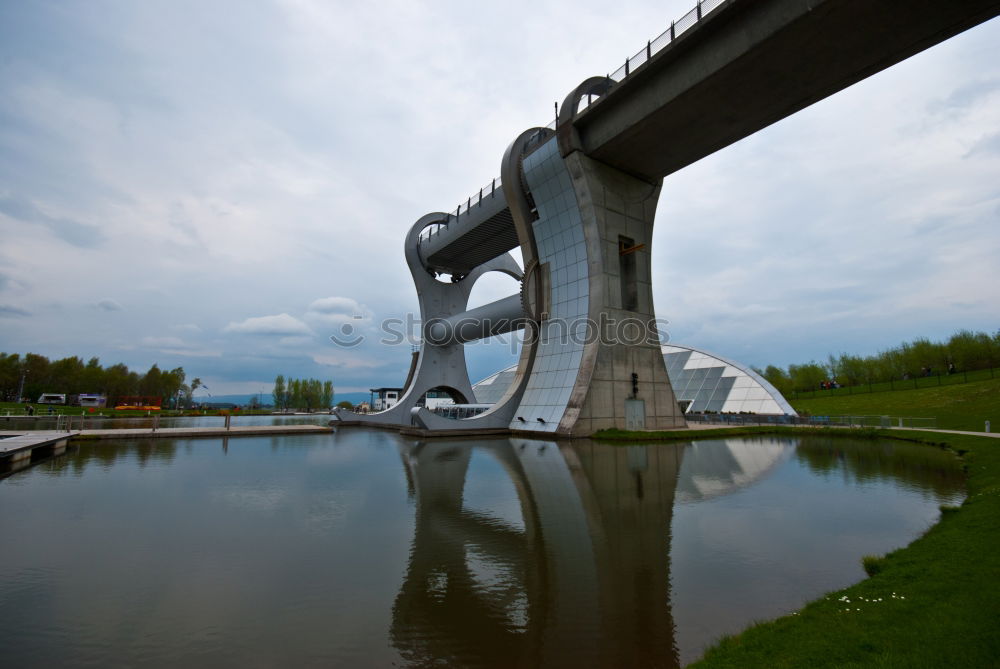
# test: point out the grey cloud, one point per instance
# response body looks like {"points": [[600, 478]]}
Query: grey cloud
{"points": [[109, 305], [987, 145], [70, 231], [8, 283], [8, 311], [966, 96]]}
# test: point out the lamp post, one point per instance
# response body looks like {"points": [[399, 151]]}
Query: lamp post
{"points": [[20, 388]]}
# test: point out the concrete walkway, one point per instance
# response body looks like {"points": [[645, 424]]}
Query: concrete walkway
{"points": [[994, 435], [19, 442]]}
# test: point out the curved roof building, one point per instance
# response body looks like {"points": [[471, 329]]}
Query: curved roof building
{"points": [[701, 381], [704, 381]]}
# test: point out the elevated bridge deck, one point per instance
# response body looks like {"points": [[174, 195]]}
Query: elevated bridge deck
{"points": [[483, 231], [737, 68]]}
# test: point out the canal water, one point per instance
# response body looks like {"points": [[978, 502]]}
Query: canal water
{"points": [[368, 549]]}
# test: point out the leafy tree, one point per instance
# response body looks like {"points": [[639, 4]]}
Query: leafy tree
{"points": [[808, 376], [307, 394], [71, 376], [190, 390], [327, 400], [279, 393], [778, 378]]}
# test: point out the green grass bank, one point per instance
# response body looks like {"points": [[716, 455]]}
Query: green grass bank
{"points": [[962, 406], [934, 603]]}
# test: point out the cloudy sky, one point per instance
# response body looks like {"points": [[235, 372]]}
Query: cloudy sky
{"points": [[223, 185]]}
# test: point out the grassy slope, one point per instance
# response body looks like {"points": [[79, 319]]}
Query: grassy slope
{"points": [[958, 407], [950, 616]]}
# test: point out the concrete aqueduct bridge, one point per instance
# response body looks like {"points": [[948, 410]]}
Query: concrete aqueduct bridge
{"points": [[578, 200]]}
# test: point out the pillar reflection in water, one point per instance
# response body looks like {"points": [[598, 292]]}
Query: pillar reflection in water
{"points": [[582, 580]]}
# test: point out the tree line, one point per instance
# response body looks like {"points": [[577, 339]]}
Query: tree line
{"points": [[34, 374], [964, 351], [305, 394]]}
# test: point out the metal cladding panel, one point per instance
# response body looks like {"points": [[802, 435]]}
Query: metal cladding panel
{"points": [[492, 389], [559, 236]]}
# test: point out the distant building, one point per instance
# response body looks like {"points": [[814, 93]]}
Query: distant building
{"points": [[95, 400], [52, 398], [434, 399], [384, 398], [705, 382]]}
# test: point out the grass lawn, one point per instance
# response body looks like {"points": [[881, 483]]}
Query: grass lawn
{"points": [[934, 603], [957, 407]]}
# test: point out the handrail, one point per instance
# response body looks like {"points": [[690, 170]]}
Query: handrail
{"points": [[654, 46]]}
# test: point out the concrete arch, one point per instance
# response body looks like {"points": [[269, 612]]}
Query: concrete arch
{"points": [[435, 366], [519, 200], [566, 133]]}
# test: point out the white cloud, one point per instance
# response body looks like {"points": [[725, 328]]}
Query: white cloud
{"points": [[280, 324], [339, 310]]}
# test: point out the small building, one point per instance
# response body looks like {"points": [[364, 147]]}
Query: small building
{"points": [[435, 399], [95, 400], [384, 398], [707, 383], [52, 398]]}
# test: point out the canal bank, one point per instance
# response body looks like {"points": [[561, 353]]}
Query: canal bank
{"points": [[933, 603]]}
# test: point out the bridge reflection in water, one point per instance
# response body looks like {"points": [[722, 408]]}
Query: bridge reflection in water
{"points": [[582, 578]]}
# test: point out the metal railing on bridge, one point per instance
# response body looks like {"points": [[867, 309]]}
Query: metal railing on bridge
{"points": [[488, 191], [677, 28]]}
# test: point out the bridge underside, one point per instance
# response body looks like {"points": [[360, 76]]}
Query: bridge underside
{"points": [[750, 64]]}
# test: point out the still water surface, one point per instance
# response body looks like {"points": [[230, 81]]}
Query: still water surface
{"points": [[365, 548]]}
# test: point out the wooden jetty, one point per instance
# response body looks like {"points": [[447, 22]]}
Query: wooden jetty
{"points": [[19, 448]]}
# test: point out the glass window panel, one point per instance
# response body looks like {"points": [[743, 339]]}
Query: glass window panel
{"points": [[704, 395], [715, 405], [715, 372], [724, 387]]}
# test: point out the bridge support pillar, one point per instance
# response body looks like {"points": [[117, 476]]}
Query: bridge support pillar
{"points": [[598, 364]]}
